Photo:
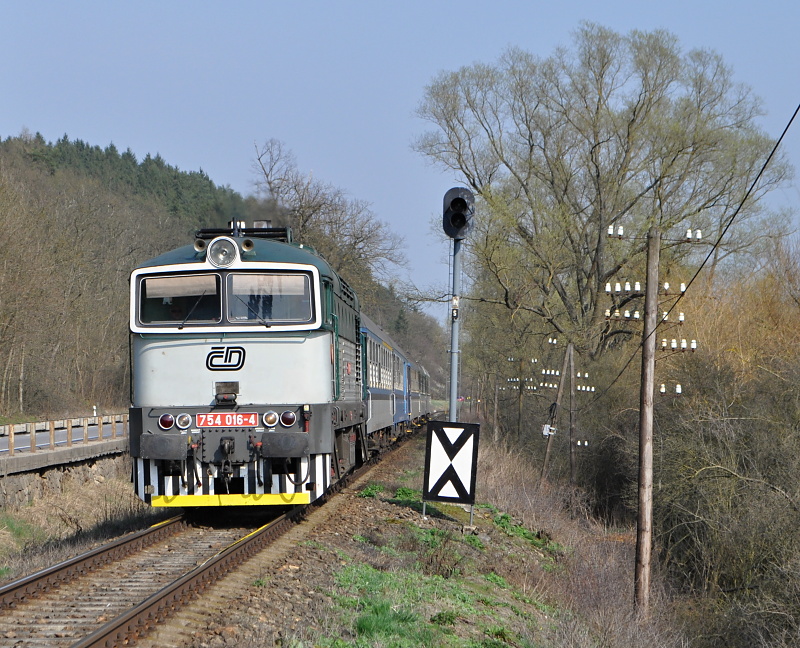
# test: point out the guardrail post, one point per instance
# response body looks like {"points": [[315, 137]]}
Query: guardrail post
{"points": [[120, 428]]}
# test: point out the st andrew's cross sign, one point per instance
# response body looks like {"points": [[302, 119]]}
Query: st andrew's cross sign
{"points": [[451, 462]]}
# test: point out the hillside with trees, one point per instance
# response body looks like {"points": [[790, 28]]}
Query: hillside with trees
{"points": [[78, 218], [630, 131]]}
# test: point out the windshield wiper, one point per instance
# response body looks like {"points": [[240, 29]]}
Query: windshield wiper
{"points": [[254, 312], [191, 310]]}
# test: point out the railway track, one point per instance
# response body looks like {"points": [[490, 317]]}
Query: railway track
{"points": [[116, 594]]}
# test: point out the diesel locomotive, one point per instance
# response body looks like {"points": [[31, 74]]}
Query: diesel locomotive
{"points": [[255, 378]]}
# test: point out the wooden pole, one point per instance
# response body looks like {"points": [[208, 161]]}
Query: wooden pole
{"points": [[572, 416], [495, 431], [644, 519], [554, 411], [520, 387]]}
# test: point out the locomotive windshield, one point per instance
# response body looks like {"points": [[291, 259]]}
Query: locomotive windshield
{"points": [[269, 297], [182, 299], [250, 298]]}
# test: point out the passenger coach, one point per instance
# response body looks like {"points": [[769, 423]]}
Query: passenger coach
{"points": [[396, 389]]}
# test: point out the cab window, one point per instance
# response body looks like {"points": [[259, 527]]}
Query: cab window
{"points": [[183, 298], [259, 298]]}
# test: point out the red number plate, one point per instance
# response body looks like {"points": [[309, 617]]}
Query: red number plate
{"points": [[227, 419]]}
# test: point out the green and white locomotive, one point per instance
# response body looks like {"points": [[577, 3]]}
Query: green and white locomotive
{"points": [[247, 381]]}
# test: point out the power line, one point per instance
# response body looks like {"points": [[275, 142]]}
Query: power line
{"points": [[708, 256], [739, 208]]}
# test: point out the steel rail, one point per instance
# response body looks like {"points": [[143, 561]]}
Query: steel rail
{"points": [[127, 628], [68, 570]]}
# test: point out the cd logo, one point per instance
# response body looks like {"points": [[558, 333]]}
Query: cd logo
{"points": [[225, 358]]}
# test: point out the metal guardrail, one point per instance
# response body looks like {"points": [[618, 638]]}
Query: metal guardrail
{"points": [[59, 424], [60, 433]]}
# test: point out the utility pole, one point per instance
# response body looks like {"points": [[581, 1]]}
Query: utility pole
{"points": [[520, 389], [572, 416], [495, 431], [554, 410], [644, 519]]}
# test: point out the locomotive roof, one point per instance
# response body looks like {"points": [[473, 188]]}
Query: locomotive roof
{"points": [[264, 251]]}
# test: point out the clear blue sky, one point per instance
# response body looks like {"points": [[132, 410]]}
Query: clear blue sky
{"points": [[338, 82]]}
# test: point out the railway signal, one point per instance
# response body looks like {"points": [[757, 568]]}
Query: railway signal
{"points": [[457, 212]]}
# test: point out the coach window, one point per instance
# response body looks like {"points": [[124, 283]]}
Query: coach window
{"points": [[180, 300], [257, 298]]}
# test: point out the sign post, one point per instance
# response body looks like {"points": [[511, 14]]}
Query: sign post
{"points": [[451, 453], [451, 463], [457, 213]]}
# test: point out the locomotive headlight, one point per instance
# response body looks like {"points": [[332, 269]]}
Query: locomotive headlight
{"points": [[221, 252], [288, 418], [166, 421], [183, 421], [271, 419]]}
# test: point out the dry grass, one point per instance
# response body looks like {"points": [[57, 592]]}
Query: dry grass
{"points": [[87, 507], [593, 582]]}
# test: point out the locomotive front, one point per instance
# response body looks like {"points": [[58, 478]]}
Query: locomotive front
{"points": [[241, 365]]}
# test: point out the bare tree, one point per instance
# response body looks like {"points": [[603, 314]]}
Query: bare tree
{"points": [[344, 230]]}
